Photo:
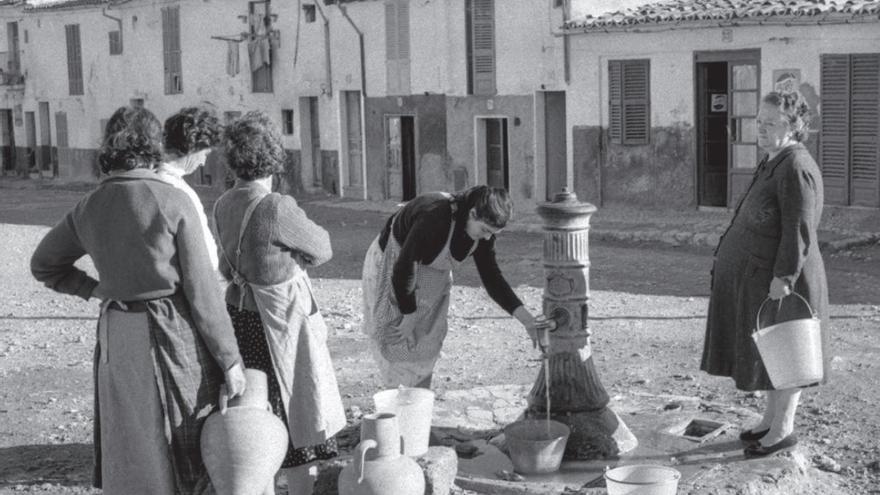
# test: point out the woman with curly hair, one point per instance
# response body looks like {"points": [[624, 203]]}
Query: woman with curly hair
{"points": [[407, 278], [190, 134], [769, 251], [164, 341], [266, 243]]}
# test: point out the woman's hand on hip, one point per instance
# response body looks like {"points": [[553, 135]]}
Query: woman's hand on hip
{"points": [[779, 288]]}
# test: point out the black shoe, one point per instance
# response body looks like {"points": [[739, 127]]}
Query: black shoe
{"points": [[752, 436], [758, 450]]}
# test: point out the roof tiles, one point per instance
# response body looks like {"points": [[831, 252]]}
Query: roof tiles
{"points": [[676, 11]]}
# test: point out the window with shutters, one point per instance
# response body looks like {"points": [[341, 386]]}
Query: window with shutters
{"points": [[480, 26], [74, 59], [629, 101], [849, 147], [115, 42], [287, 121], [171, 50], [397, 47]]}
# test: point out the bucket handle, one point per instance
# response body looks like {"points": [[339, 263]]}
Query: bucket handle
{"points": [[761, 308]]}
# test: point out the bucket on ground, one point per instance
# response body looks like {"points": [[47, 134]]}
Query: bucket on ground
{"points": [[414, 408], [536, 445], [791, 350], [642, 479]]}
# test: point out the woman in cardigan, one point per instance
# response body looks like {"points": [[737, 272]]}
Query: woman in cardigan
{"points": [[266, 243], [769, 250], [190, 134], [407, 278], [164, 340]]}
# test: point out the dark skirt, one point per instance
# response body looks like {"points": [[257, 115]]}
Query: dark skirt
{"points": [[255, 353]]}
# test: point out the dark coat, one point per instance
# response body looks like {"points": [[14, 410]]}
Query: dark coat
{"points": [[773, 233]]}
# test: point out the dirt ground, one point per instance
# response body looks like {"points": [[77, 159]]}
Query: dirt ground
{"points": [[647, 315]]}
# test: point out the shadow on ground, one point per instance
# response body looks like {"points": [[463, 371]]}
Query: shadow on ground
{"points": [[62, 464]]}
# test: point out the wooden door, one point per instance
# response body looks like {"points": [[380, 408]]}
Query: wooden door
{"points": [[555, 151], [46, 154], [744, 100], [712, 133], [7, 141], [354, 144], [30, 126], [496, 153]]}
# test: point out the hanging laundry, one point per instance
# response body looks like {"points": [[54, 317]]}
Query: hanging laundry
{"points": [[255, 54], [266, 49], [232, 60]]}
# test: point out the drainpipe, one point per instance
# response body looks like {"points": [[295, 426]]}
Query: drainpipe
{"points": [[327, 65], [566, 47], [361, 44], [118, 21]]}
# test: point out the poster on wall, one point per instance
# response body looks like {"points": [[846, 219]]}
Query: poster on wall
{"points": [[786, 80], [718, 103]]}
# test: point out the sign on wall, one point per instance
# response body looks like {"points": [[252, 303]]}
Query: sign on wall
{"points": [[718, 104], [786, 80]]}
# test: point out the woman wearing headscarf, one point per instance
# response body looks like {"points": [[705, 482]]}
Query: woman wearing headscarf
{"points": [[164, 339], [267, 243], [407, 278], [769, 251]]}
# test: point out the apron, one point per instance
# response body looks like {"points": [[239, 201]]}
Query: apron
{"points": [[408, 363], [150, 401], [297, 338]]}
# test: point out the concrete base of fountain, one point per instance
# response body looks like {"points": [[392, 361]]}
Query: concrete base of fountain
{"points": [[698, 439]]}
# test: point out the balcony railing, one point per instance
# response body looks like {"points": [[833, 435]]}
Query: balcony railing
{"points": [[11, 78]]}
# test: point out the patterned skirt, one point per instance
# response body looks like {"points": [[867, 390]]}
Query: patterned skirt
{"points": [[255, 354]]}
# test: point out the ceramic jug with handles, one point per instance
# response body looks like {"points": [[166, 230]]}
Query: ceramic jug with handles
{"points": [[244, 447], [379, 468]]}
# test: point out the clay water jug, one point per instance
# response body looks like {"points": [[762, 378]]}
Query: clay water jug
{"points": [[244, 447], [379, 467]]}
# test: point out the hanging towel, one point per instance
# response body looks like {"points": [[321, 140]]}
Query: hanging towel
{"points": [[265, 49], [232, 61], [255, 54]]}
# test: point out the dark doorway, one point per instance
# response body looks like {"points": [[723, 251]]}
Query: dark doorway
{"points": [[496, 153], [554, 142], [712, 142], [727, 96], [400, 152], [46, 153], [310, 135], [7, 141], [30, 128]]}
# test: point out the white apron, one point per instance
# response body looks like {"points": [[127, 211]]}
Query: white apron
{"points": [[297, 338], [408, 363]]}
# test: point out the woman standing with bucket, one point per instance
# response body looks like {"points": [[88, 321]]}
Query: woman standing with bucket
{"points": [[407, 278], [769, 250], [266, 243]]}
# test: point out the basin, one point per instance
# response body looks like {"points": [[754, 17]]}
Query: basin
{"points": [[536, 446]]}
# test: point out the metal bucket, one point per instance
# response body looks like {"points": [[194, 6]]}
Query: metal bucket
{"points": [[642, 479], [536, 445], [791, 350]]}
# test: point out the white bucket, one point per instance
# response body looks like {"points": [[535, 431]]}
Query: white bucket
{"points": [[642, 479], [414, 408], [791, 350]]}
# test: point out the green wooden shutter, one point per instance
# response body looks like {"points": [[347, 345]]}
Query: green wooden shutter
{"points": [[834, 136], [171, 50], [392, 74], [483, 47], [864, 129], [61, 129], [615, 101], [74, 59], [403, 46], [636, 104]]}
